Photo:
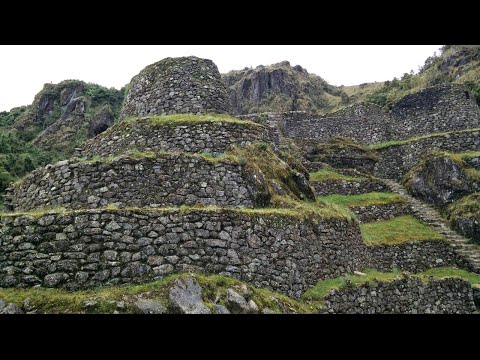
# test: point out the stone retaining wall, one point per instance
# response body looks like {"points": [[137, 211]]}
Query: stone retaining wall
{"points": [[103, 247], [403, 296], [177, 85], [211, 137], [397, 160], [164, 180], [415, 256], [348, 187], [379, 212]]}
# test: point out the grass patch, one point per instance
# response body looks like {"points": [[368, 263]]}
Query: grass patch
{"points": [[398, 230], [467, 207], [297, 209], [373, 198], [324, 287], [52, 301], [330, 174], [181, 119], [413, 139]]}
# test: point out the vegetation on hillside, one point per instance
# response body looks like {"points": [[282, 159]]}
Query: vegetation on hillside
{"points": [[458, 64]]}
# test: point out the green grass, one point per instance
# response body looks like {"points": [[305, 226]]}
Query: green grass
{"points": [[373, 198], [324, 287], [413, 139], [66, 302], [297, 209], [330, 174], [398, 230], [181, 119]]}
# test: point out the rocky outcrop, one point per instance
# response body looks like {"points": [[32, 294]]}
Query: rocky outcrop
{"points": [[279, 87], [440, 180], [176, 85], [464, 215], [186, 297]]}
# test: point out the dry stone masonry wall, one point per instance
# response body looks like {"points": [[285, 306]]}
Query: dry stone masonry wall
{"points": [[348, 187], [177, 85], [397, 160], [436, 109], [164, 180], [403, 296], [92, 248], [380, 212], [209, 136]]}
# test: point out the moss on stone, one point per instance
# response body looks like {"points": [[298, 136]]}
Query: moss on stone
{"points": [[417, 138], [466, 207], [105, 299], [324, 287], [330, 174], [184, 119]]}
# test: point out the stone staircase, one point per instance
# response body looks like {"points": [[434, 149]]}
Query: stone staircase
{"points": [[430, 216]]}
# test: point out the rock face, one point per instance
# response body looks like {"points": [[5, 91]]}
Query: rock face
{"points": [[279, 87], [9, 309], [148, 306], [186, 297], [439, 180], [177, 85], [464, 216]]}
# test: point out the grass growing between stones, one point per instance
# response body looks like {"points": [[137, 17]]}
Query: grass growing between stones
{"points": [[324, 287], [417, 138], [399, 230], [105, 299], [181, 119], [296, 209], [373, 198], [330, 174]]}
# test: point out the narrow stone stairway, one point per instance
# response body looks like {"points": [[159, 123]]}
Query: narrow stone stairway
{"points": [[430, 216]]}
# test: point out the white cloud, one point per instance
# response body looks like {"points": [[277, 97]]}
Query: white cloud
{"points": [[24, 69]]}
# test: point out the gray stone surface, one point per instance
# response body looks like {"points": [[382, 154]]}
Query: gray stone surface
{"points": [[404, 296], [186, 297], [166, 180], [177, 85], [220, 309], [380, 212], [11, 309], [148, 306], [348, 187], [440, 180], [396, 161], [197, 137], [75, 251]]}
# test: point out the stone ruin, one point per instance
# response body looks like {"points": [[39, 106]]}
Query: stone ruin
{"points": [[131, 219]]}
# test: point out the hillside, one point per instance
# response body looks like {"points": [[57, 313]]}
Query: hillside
{"points": [[281, 87], [457, 64], [61, 117]]}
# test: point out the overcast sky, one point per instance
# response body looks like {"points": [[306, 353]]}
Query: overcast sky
{"points": [[24, 69]]}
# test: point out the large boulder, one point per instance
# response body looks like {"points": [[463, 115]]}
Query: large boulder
{"points": [[464, 216], [186, 297], [177, 85], [440, 180]]}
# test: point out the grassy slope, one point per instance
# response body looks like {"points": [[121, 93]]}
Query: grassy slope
{"points": [[398, 230], [373, 198], [105, 299], [323, 288], [330, 174]]}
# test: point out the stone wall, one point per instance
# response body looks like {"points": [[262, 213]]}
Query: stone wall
{"points": [[404, 296], [441, 108], [415, 256], [380, 212], [397, 160], [212, 137], [348, 187], [364, 123], [435, 109], [101, 247], [177, 85], [164, 180]]}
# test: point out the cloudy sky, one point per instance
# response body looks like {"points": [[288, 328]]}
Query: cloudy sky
{"points": [[24, 69]]}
